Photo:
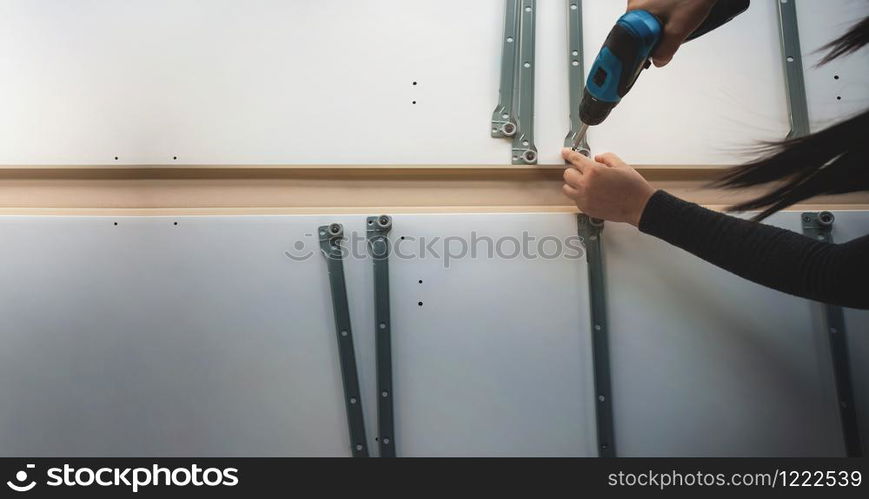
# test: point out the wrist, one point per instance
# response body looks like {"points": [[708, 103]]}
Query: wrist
{"points": [[642, 202]]}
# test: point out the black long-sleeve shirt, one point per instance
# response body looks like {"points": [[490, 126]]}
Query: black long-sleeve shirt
{"points": [[774, 257]]}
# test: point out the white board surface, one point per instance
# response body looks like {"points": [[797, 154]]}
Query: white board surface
{"points": [[331, 82], [205, 338]]}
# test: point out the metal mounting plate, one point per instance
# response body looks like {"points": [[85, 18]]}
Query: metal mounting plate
{"points": [[524, 150], [589, 230], [575, 72], [330, 237], [819, 225], [503, 119], [789, 33], [377, 233]]}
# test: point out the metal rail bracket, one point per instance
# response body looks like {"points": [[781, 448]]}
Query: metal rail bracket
{"points": [[819, 225], [524, 150], [378, 248], [503, 118], [589, 230], [330, 237], [789, 33], [575, 72]]}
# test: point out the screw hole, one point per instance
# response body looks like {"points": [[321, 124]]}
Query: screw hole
{"points": [[116, 223], [838, 97], [420, 304], [414, 83], [420, 281], [174, 157], [116, 158], [414, 102], [174, 223], [402, 238], [835, 77]]}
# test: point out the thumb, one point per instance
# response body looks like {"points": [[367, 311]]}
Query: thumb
{"points": [[609, 159], [667, 48]]}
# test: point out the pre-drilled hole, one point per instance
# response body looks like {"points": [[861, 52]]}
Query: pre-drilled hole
{"points": [[420, 304]]}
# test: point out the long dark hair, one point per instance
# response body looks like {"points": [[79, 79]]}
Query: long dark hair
{"points": [[832, 161]]}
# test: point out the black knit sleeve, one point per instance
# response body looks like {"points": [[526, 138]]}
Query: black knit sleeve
{"points": [[774, 257]]}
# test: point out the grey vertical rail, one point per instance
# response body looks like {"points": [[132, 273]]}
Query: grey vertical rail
{"points": [[820, 226], [330, 245], [378, 247], [503, 117], [795, 85], [524, 151], [589, 230], [575, 71]]}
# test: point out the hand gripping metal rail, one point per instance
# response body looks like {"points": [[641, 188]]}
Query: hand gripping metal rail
{"points": [[820, 226], [378, 247], [330, 245]]}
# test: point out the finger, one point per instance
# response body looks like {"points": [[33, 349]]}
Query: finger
{"points": [[673, 37], [572, 177], [609, 159], [577, 159], [569, 191]]}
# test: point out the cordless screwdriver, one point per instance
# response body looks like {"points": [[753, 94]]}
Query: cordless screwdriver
{"points": [[625, 54]]}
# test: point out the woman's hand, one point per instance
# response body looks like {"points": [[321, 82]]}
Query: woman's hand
{"points": [[606, 188], [680, 19]]}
